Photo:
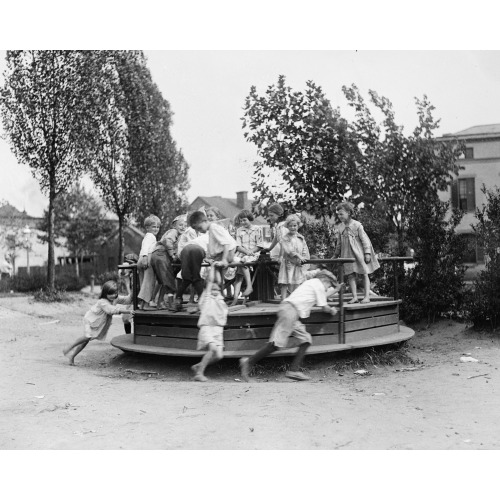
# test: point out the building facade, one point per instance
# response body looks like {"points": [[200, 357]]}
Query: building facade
{"points": [[481, 167]]}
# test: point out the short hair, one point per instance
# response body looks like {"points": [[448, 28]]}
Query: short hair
{"points": [[245, 214], [196, 217], [215, 210], [131, 258], [150, 220], [327, 276], [109, 288], [347, 206], [293, 218], [276, 208], [179, 218]]}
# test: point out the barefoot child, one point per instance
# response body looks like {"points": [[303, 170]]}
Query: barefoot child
{"points": [[213, 317], [353, 242], [97, 319], [295, 253], [298, 305], [249, 242]]}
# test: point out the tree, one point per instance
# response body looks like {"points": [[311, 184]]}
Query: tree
{"points": [[163, 190], [404, 172], [135, 165], [46, 104], [80, 221], [304, 146]]}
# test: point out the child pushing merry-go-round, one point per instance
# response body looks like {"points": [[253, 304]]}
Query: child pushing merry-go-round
{"points": [[289, 330]]}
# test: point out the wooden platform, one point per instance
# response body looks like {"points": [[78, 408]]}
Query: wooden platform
{"points": [[248, 329]]}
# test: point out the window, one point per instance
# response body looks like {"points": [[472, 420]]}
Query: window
{"points": [[469, 153], [473, 252], [463, 194]]}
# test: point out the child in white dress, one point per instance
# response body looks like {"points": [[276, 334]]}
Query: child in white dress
{"points": [[353, 242], [97, 319], [294, 252]]}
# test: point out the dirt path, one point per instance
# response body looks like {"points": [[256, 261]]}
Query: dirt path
{"points": [[441, 403]]}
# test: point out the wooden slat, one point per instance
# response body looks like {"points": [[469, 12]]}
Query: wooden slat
{"points": [[167, 331], [166, 342], [229, 334], [242, 345], [365, 323], [351, 314], [371, 333], [231, 345]]}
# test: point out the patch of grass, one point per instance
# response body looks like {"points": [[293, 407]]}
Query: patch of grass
{"points": [[52, 295], [388, 355], [343, 361]]}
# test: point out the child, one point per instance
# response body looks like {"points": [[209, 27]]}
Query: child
{"points": [[146, 273], [221, 248], [130, 259], [191, 236], [353, 242], [274, 214], [298, 305], [295, 253], [249, 242], [163, 256], [213, 318], [97, 319]]}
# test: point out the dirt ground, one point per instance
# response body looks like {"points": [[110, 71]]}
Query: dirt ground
{"points": [[106, 402]]}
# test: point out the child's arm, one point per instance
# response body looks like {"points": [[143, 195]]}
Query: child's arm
{"points": [[330, 309], [258, 242], [365, 241], [239, 246], [170, 240], [111, 309], [333, 290], [223, 261]]}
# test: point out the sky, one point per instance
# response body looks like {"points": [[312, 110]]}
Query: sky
{"points": [[207, 90]]}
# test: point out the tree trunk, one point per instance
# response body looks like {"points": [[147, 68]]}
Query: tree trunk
{"points": [[121, 239], [51, 271], [77, 267]]}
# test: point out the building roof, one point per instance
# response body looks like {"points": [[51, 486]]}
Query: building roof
{"points": [[478, 131], [227, 206], [8, 211]]}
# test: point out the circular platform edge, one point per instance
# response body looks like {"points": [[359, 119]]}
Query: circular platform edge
{"points": [[126, 344]]}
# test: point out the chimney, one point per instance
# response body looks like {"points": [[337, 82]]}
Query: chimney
{"points": [[241, 199]]}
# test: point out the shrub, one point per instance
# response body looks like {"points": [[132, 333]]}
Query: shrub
{"points": [[70, 283], [108, 276], [436, 284], [482, 306], [48, 295], [318, 235]]}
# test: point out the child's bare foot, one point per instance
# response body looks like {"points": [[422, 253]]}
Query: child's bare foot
{"points": [[200, 378], [247, 292], [66, 350], [196, 368], [366, 300], [353, 301]]}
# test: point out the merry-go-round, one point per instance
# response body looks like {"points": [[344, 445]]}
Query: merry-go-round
{"points": [[249, 324]]}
